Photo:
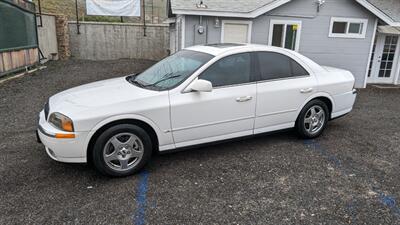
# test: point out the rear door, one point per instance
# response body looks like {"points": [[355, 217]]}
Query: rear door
{"points": [[283, 87]]}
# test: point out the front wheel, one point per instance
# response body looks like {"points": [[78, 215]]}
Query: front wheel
{"points": [[312, 119], [122, 150]]}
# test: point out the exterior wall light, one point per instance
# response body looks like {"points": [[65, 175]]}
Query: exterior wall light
{"points": [[201, 5], [217, 23], [319, 4]]}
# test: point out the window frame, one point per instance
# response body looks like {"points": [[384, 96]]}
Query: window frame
{"points": [[285, 23], [258, 68], [348, 21], [254, 73], [249, 23]]}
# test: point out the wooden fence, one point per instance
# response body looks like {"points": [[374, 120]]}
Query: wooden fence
{"points": [[18, 36], [14, 60]]}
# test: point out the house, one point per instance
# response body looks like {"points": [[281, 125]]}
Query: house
{"points": [[359, 35]]}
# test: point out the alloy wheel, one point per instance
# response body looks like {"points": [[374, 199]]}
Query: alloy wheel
{"points": [[123, 151], [314, 119]]}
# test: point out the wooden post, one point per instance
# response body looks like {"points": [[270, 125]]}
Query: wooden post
{"points": [[77, 17], [144, 19], [40, 14]]}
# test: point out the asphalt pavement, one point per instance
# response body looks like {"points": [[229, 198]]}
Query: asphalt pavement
{"points": [[350, 175]]}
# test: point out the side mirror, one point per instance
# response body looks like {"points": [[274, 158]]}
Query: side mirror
{"points": [[201, 86]]}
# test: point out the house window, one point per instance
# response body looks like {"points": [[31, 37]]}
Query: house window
{"points": [[348, 27], [285, 34]]}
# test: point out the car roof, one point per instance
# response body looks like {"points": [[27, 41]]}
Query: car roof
{"points": [[218, 49]]}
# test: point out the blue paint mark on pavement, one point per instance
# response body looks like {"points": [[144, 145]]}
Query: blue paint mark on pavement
{"points": [[315, 146], [352, 209], [139, 217], [385, 200], [389, 201]]}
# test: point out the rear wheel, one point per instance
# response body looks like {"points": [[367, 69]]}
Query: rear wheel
{"points": [[122, 150], [312, 119]]}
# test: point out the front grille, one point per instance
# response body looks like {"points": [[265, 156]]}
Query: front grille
{"points": [[46, 110]]}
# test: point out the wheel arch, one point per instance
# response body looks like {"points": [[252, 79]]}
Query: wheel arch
{"points": [[100, 128], [326, 98]]}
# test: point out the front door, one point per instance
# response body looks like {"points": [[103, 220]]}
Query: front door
{"points": [[226, 112], [384, 58]]}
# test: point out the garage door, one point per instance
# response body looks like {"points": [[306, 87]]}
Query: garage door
{"points": [[236, 32]]}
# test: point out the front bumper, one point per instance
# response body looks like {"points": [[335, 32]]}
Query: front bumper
{"points": [[63, 150]]}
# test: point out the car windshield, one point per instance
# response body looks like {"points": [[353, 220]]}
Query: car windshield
{"points": [[171, 71]]}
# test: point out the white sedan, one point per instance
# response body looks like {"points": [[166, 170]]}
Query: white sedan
{"points": [[199, 95]]}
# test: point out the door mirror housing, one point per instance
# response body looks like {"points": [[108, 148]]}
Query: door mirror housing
{"points": [[201, 86]]}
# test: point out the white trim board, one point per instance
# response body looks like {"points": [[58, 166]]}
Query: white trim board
{"points": [[370, 52], [245, 22], [396, 75], [252, 14]]}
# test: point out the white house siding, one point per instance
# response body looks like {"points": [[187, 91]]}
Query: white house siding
{"points": [[351, 54]]}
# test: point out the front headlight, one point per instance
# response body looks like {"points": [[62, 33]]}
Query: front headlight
{"points": [[61, 122]]}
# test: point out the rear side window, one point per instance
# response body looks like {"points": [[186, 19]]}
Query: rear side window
{"points": [[278, 66], [231, 70]]}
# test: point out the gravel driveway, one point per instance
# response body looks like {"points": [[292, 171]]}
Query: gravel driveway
{"points": [[350, 175]]}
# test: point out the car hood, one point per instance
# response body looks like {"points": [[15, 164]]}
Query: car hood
{"points": [[98, 94]]}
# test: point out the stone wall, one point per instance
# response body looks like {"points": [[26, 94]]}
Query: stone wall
{"points": [[62, 32], [108, 41]]}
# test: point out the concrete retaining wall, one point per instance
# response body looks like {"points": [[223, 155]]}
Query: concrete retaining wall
{"points": [[47, 36], [108, 41]]}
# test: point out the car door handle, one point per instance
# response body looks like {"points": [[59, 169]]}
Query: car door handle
{"points": [[244, 99], [306, 90]]}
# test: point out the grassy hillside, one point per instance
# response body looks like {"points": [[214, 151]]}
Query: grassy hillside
{"points": [[155, 11], [67, 7]]}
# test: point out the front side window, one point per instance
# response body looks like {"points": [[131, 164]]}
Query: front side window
{"points": [[231, 70], [171, 71], [278, 66], [348, 27]]}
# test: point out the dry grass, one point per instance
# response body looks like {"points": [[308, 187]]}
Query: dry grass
{"points": [[67, 7], [155, 11]]}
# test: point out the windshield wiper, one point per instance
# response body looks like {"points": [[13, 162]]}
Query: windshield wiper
{"points": [[132, 80], [162, 80]]}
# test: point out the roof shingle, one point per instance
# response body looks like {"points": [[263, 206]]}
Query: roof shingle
{"points": [[390, 7], [241, 6]]}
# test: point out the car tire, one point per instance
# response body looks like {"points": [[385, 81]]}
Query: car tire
{"points": [[122, 150], [313, 119]]}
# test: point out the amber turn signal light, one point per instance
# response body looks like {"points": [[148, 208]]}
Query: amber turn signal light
{"points": [[65, 136]]}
